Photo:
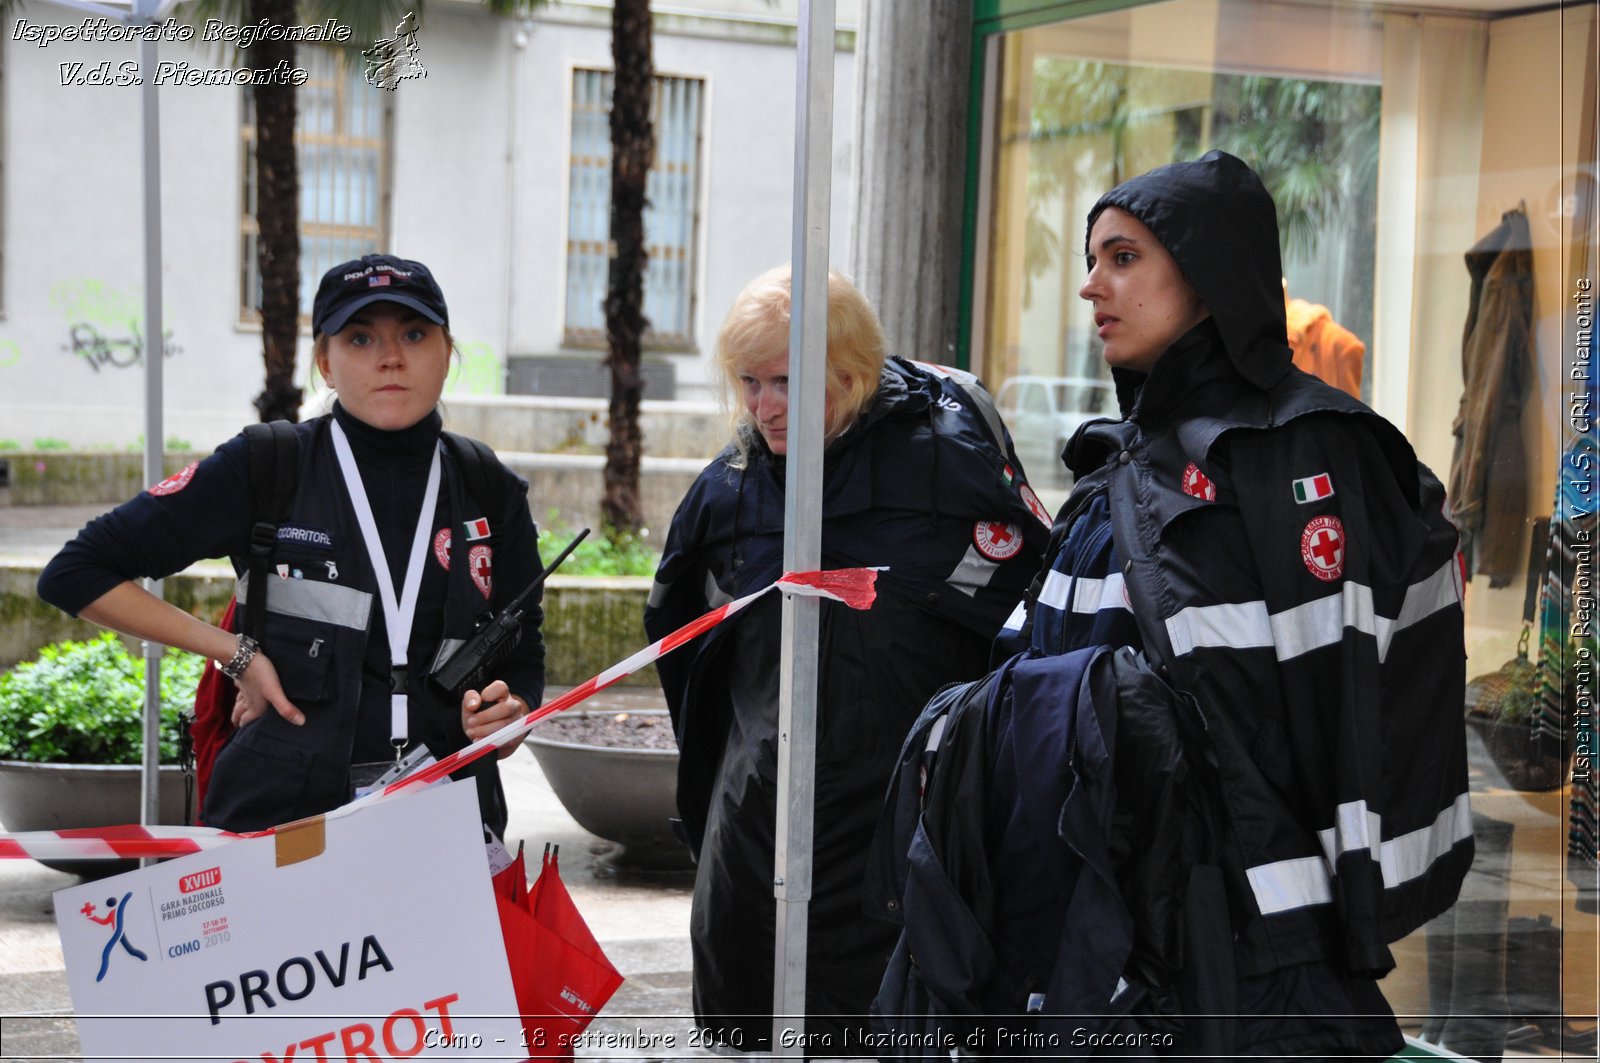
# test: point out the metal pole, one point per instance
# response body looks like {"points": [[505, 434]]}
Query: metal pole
{"points": [[802, 532], [153, 353]]}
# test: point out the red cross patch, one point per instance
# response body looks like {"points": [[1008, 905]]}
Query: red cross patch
{"points": [[479, 563], [1322, 547], [996, 540], [441, 548], [1035, 506], [1197, 484], [176, 482]]}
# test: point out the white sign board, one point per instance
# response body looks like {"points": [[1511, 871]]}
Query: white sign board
{"points": [[386, 945]]}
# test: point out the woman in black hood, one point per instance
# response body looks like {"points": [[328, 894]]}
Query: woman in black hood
{"points": [[1282, 560]]}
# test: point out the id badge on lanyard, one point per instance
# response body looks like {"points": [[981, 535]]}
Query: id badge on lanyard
{"points": [[398, 611]]}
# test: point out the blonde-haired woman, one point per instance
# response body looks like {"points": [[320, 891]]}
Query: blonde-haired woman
{"points": [[918, 476]]}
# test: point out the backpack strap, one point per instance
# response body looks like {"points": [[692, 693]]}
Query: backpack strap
{"points": [[970, 387], [274, 470], [479, 472]]}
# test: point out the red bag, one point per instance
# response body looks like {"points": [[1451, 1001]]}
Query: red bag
{"points": [[558, 971], [212, 724]]}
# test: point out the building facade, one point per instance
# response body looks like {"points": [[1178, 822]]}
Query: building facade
{"points": [[490, 163]]}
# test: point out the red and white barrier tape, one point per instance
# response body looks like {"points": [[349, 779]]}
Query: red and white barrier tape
{"points": [[855, 587], [111, 843]]}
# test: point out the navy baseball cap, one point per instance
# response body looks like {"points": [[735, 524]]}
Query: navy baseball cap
{"points": [[375, 279]]}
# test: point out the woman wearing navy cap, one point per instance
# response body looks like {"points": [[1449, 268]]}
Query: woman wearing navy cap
{"points": [[389, 551]]}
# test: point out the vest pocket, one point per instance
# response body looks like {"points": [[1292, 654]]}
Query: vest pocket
{"points": [[302, 652], [259, 779]]}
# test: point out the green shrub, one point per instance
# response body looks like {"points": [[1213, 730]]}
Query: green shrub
{"points": [[51, 443], [629, 555], [83, 702]]}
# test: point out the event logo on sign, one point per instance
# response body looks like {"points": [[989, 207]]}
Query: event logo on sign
{"points": [[113, 920]]}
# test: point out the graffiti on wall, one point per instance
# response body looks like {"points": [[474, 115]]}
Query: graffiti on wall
{"points": [[119, 352], [105, 327]]}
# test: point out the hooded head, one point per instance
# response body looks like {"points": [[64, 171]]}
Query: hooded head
{"points": [[1218, 222]]}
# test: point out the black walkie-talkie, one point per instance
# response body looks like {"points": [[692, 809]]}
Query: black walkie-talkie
{"points": [[468, 667]]}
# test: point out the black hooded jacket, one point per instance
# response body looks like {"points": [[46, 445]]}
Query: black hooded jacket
{"points": [[924, 484], [1290, 565]]}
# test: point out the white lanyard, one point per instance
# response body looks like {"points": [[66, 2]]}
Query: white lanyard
{"points": [[397, 614]]}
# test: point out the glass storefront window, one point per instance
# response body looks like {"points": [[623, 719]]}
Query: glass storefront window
{"points": [[1086, 104], [1394, 142]]}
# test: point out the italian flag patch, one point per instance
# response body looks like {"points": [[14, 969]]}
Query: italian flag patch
{"points": [[1313, 488]]}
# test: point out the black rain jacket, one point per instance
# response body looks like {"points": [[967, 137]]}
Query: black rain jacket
{"points": [[921, 483]]}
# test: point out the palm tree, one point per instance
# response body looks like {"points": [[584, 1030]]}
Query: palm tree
{"points": [[632, 152], [277, 216]]}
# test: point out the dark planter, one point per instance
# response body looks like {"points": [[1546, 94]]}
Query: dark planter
{"points": [[63, 796], [627, 796]]}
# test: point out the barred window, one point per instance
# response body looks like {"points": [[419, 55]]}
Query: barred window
{"points": [[342, 132], [671, 219]]}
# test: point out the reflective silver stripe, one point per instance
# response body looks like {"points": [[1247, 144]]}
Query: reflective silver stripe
{"points": [[447, 650], [1410, 855], [1241, 626], [936, 734], [973, 571], [1085, 595], [328, 603], [1354, 827], [1439, 591], [1018, 617], [716, 597], [1288, 884], [1055, 590], [1092, 595], [1323, 622]]}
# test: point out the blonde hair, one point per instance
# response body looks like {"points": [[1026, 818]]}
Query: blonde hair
{"points": [[756, 330]]}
